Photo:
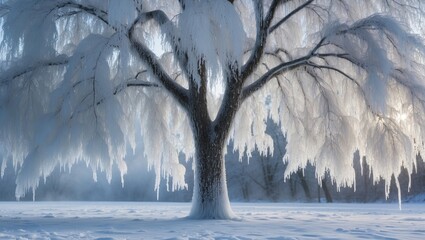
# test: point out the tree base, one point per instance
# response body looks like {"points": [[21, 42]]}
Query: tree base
{"points": [[212, 210], [217, 214]]}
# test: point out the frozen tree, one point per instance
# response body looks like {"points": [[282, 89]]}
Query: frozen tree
{"points": [[82, 80]]}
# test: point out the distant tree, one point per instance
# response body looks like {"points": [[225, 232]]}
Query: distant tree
{"points": [[80, 80], [326, 190], [300, 177]]}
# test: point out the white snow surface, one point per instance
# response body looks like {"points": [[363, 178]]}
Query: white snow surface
{"points": [[140, 220]]}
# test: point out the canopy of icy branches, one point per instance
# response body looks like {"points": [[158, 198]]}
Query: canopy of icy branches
{"points": [[72, 88]]}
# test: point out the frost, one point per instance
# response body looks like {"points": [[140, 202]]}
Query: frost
{"points": [[211, 30], [86, 80]]}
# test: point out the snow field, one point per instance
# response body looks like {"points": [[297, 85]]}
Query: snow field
{"points": [[135, 220]]}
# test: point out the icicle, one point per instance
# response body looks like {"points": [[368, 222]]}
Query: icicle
{"points": [[410, 182], [122, 180], [211, 30], [397, 182], [3, 167], [94, 175]]}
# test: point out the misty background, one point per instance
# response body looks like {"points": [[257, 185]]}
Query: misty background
{"points": [[259, 178]]}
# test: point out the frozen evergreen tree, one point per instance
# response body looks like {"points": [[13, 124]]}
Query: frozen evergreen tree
{"points": [[81, 80]]}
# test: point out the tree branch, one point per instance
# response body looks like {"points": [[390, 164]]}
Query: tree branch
{"points": [[100, 14], [134, 82], [229, 106], [262, 33], [263, 30], [274, 27], [263, 80], [330, 68], [16, 72], [159, 16], [149, 58], [258, 84]]}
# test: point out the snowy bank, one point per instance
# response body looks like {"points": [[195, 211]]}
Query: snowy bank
{"points": [[136, 220]]}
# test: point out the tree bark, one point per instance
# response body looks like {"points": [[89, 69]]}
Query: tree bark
{"points": [[210, 197]]}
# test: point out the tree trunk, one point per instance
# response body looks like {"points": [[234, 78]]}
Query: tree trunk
{"points": [[210, 198], [304, 184], [326, 191]]}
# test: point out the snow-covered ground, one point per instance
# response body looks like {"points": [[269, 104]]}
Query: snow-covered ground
{"points": [[139, 220]]}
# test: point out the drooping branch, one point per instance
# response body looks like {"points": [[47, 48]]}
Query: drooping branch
{"points": [[149, 58], [118, 89], [17, 72], [98, 13], [330, 68], [373, 24]]}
